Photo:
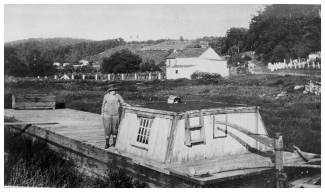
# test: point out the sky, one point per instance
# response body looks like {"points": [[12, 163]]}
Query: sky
{"points": [[130, 22]]}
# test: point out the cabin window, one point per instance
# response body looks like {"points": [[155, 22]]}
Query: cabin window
{"points": [[144, 130], [176, 71], [219, 129]]}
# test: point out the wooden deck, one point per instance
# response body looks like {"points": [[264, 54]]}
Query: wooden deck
{"points": [[82, 126], [80, 135]]}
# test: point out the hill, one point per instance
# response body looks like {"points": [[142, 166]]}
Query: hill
{"points": [[60, 49], [156, 51], [157, 55], [46, 43], [169, 44]]}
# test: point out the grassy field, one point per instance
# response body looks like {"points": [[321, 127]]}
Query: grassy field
{"points": [[297, 116]]}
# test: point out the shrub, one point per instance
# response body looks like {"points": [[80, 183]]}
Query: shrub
{"points": [[206, 76]]}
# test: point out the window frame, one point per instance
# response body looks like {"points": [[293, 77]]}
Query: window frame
{"points": [[214, 126], [188, 140], [140, 144]]}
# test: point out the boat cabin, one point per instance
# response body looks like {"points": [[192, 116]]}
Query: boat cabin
{"points": [[190, 131]]}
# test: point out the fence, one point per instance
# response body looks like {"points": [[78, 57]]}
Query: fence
{"points": [[145, 76], [294, 64]]}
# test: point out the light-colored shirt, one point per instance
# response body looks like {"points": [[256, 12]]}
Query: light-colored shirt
{"points": [[112, 104]]}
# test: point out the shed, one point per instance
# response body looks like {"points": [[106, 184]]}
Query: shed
{"points": [[189, 131]]}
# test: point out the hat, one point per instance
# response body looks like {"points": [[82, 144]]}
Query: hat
{"points": [[111, 88]]}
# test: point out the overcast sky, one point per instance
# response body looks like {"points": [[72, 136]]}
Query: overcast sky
{"points": [[131, 22]]}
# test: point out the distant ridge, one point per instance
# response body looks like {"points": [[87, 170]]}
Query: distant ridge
{"points": [[53, 42]]}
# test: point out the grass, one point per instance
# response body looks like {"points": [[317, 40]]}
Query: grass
{"points": [[297, 116], [31, 163]]}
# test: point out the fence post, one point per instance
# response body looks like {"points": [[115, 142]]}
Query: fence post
{"points": [[318, 65], [135, 76], [149, 76], [122, 76], [108, 77], [96, 77], [281, 177], [83, 76], [72, 76], [159, 75], [55, 77]]}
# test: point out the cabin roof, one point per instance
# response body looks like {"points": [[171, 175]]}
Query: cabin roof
{"points": [[188, 105]]}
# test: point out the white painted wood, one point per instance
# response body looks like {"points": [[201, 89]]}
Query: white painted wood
{"points": [[216, 146], [128, 132]]}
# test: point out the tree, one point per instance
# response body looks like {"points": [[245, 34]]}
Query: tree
{"points": [[68, 69], [235, 41], [13, 65], [149, 65], [123, 61], [38, 65], [285, 31], [85, 69]]}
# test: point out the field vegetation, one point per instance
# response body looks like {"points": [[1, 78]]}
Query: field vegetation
{"points": [[31, 163]]}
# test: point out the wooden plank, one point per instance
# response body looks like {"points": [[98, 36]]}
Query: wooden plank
{"points": [[256, 128], [244, 143], [202, 127], [207, 112], [31, 122], [302, 165], [28, 98], [306, 182], [171, 139], [187, 131], [262, 139], [31, 101], [153, 111]]}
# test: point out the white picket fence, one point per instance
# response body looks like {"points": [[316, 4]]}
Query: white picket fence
{"points": [[294, 64], [145, 76]]}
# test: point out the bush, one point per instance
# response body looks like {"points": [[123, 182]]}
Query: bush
{"points": [[123, 61], [33, 164], [206, 76]]}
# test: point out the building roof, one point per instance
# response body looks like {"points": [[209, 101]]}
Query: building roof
{"points": [[187, 53]]}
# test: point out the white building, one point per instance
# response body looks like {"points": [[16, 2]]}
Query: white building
{"points": [[57, 64], [83, 62], [66, 64], [182, 64]]}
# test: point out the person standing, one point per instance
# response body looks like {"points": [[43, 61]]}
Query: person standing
{"points": [[111, 112]]}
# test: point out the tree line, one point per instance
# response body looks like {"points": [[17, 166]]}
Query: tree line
{"points": [[278, 32], [35, 57]]}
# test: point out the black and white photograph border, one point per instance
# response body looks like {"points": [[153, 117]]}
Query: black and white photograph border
{"points": [[167, 94]]}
